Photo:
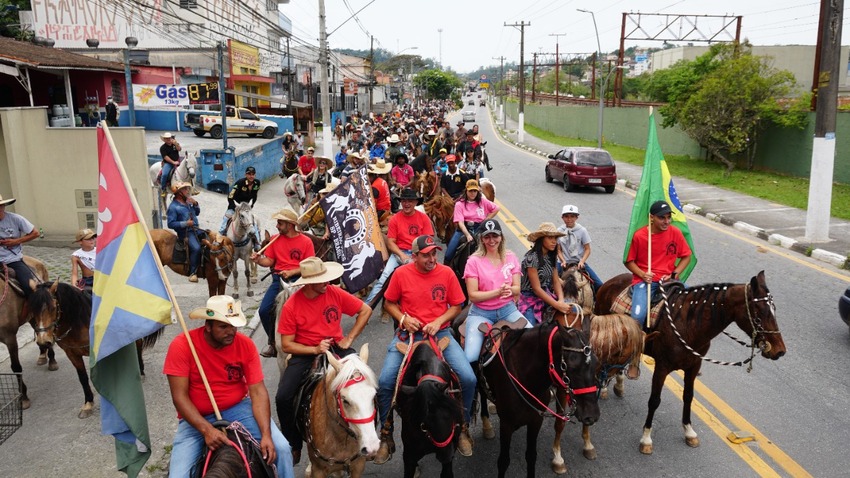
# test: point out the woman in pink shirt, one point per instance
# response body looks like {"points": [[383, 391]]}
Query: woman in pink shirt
{"points": [[402, 172], [492, 278], [470, 211]]}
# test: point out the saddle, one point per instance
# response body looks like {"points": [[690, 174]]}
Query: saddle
{"points": [[245, 452], [623, 303], [493, 337], [180, 253], [12, 280], [305, 392]]}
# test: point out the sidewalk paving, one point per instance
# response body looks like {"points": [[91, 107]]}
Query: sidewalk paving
{"points": [[775, 223]]}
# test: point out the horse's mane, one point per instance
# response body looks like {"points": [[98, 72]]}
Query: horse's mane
{"points": [[695, 300], [351, 364], [74, 303]]}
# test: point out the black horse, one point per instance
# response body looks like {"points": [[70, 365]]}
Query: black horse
{"points": [[529, 364], [242, 459], [431, 411]]}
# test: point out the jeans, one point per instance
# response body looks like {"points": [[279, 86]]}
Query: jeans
{"points": [[392, 264], [266, 309], [478, 316], [640, 308], [454, 356], [194, 249], [24, 275], [166, 172], [189, 443], [454, 242]]}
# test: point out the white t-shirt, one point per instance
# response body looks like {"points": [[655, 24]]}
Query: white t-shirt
{"points": [[87, 258], [13, 226]]}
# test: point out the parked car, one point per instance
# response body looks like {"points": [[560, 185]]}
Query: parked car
{"points": [[239, 120], [844, 307], [580, 166], [468, 116], [471, 102], [482, 102]]}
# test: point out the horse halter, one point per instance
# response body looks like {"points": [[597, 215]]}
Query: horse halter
{"points": [[357, 421], [562, 380], [228, 263], [447, 441], [55, 324], [755, 320]]}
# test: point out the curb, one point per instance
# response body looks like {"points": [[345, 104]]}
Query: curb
{"points": [[806, 249]]}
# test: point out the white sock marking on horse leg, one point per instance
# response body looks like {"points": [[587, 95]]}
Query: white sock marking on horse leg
{"points": [[557, 459], [646, 439], [689, 431]]}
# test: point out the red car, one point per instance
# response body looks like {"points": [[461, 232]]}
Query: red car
{"points": [[580, 166]]}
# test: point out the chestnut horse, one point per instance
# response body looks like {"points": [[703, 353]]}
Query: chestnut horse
{"points": [[216, 257], [688, 322]]}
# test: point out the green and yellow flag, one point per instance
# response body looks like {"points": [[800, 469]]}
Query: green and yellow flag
{"points": [[656, 184]]}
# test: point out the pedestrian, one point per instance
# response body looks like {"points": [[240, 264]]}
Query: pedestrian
{"points": [[170, 152], [574, 246], [470, 211], [299, 143], [16, 230], [423, 297], [283, 256], [310, 325], [232, 369], [243, 190], [182, 216], [540, 285], [83, 260], [670, 256], [492, 276], [112, 112]]}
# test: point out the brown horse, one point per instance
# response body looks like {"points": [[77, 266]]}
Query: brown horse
{"points": [[12, 317], [688, 322], [216, 257], [339, 132], [288, 164]]}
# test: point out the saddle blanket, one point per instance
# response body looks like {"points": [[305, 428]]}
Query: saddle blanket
{"points": [[623, 305]]}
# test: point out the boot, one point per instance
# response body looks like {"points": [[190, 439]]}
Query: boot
{"points": [[464, 443], [193, 278], [270, 351], [387, 448], [296, 456]]}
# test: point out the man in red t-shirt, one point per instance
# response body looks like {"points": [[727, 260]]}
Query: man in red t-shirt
{"points": [[311, 324], [670, 256], [403, 228], [283, 254], [380, 188], [232, 368], [423, 297], [307, 163]]}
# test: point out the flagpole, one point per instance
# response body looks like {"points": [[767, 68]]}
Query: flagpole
{"points": [[649, 253], [159, 265]]}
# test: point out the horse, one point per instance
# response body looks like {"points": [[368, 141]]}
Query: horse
{"points": [[61, 315], [185, 172], [339, 133], [440, 209], [288, 164], [12, 317], [577, 288], [484, 157], [488, 189], [431, 410], [295, 189], [216, 257], [689, 320], [340, 423], [239, 231], [528, 364]]}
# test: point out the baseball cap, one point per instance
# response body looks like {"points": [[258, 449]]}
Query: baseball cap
{"points": [[424, 244], [250, 169], [451, 158], [660, 208], [569, 209], [490, 226], [443, 150]]}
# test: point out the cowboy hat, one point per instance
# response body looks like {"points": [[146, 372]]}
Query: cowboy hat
{"points": [[222, 308], [84, 234], [287, 215], [380, 167], [314, 271], [288, 133], [4, 202], [354, 155], [328, 161], [180, 185], [393, 139], [165, 136], [410, 194], [545, 229]]}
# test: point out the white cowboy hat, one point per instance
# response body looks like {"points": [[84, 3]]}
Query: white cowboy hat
{"points": [[393, 139], [287, 215], [166, 136], [328, 161], [545, 229], [4, 202], [380, 167], [180, 185], [222, 308], [314, 271]]}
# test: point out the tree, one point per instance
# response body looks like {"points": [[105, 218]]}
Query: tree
{"points": [[9, 21], [437, 84], [724, 98]]}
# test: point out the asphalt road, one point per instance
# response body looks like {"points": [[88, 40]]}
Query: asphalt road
{"points": [[796, 406]]}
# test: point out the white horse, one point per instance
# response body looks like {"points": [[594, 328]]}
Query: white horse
{"points": [[295, 189], [185, 171], [239, 231]]}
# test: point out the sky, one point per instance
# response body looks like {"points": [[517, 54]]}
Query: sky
{"points": [[474, 35]]}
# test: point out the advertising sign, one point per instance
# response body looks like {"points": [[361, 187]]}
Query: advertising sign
{"points": [[150, 96]]}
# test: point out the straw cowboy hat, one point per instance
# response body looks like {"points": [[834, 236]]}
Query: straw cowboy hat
{"points": [[84, 234], [287, 215], [546, 229], [180, 185], [380, 167], [354, 155], [328, 161], [4, 202], [314, 271], [222, 308], [393, 139]]}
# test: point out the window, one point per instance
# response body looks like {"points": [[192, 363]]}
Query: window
{"points": [[271, 5], [117, 91], [188, 4]]}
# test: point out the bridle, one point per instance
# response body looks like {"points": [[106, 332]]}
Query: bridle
{"points": [[447, 441], [228, 264], [244, 226], [55, 323]]}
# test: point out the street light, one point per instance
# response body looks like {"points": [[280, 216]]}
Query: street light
{"points": [[602, 102], [602, 96], [131, 43]]}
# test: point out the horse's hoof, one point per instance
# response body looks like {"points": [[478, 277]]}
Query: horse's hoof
{"points": [[25, 403], [491, 408], [250, 293], [603, 394], [42, 359], [589, 454], [417, 473], [487, 426], [253, 280], [646, 449], [619, 391], [692, 442], [84, 413], [54, 366], [559, 468]]}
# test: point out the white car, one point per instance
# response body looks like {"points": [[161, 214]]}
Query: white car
{"points": [[468, 116]]}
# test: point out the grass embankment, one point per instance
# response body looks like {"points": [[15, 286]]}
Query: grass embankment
{"points": [[778, 188]]}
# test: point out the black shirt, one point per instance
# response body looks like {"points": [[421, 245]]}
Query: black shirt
{"points": [[454, 184], [169, 150], [242, 192], [419, 163]]}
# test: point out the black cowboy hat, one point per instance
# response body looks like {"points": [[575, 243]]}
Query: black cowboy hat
{"points": [[408, 193]]}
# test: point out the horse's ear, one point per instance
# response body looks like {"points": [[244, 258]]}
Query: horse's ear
{"points": [[364, 352], [54, 287], [333, 361], [268, 236], [757, 282]]}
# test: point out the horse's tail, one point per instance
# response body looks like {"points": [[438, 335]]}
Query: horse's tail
{"points": [[150, 340]]}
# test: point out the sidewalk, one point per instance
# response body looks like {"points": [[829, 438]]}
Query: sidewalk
{"points": [[777, 224]]}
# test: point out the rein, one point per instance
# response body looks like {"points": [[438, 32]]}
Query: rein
{"points": [[228, 264]]}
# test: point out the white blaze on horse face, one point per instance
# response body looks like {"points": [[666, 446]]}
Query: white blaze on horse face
{"points": [[360, 400]]}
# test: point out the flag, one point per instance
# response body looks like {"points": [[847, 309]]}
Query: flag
{"points": [[656, 184], [354, 229], [129, 301]]}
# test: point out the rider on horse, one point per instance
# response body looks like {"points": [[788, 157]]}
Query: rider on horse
{"points": [[14, 231], [170, 152], [574, 246], [182, 217], [83, 260], [243, 190]]}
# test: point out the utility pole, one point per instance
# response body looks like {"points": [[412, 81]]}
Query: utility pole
{"points": [[440, 31], [324, 62], [823, 146], [521, 25], [222, 97], [534, 78], [557, 64], [371, 73], [501, 90]]}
